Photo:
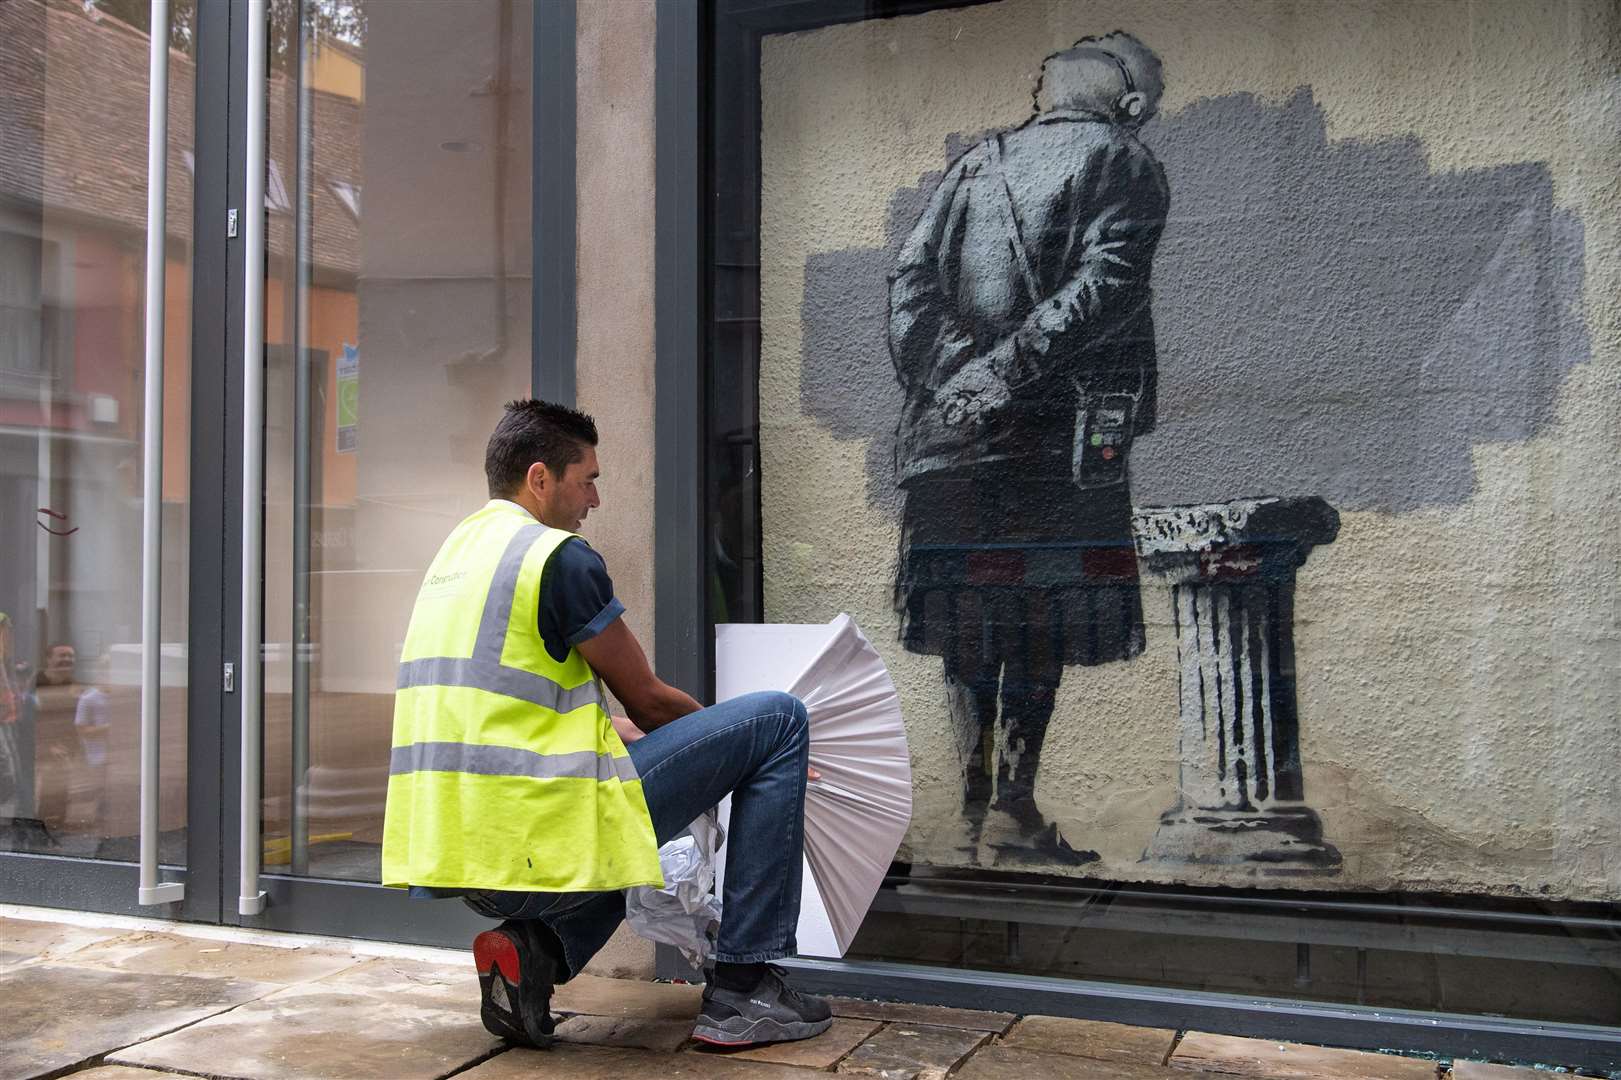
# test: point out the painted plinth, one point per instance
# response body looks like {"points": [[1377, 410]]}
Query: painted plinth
{"points": [[1230, 568]]}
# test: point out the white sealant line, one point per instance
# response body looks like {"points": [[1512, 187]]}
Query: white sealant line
{"points": [[278, 939]]}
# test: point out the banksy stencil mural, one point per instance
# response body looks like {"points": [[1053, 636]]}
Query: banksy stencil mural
{"points": [[1207, 432], [1022, 334]]}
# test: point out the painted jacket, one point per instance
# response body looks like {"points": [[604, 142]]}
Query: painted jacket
{"points": [[1023, 292]]}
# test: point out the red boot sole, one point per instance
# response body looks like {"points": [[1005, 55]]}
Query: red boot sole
{"points": [[494, 949]]}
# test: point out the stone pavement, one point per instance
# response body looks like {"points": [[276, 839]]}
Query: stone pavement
{"points": [[140, 1000]]}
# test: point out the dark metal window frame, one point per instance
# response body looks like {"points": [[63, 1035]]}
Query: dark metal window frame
{"points": [[687, 191], [682, 649]]}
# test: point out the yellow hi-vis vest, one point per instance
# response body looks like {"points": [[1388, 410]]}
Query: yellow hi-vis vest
{"points": [[506, 772]]}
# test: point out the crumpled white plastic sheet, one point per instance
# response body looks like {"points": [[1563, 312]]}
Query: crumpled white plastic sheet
{"points": [[686, 912]]}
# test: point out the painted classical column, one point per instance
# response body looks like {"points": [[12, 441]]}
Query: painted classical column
{"points": [[1230, 569]]}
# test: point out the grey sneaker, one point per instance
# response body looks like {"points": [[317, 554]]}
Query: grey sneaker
{"points": [[772, 1012]]}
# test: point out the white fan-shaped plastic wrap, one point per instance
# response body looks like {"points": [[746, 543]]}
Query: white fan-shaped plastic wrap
{"points": [[858, 812]]}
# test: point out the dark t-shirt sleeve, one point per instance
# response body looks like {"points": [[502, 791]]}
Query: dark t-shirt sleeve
{"points": [[577, 599]]}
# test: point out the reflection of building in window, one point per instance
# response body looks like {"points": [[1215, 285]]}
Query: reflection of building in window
{"points": [[339, 68], [20, 303], [348, 195], [74, 210], [73, 150], [32, 334], [277, 201]]}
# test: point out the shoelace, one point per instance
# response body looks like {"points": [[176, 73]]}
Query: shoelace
{"points": [[784, 991]]}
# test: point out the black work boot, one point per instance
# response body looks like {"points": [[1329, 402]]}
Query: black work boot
{"points": [[516, 970], [772, 1011]]}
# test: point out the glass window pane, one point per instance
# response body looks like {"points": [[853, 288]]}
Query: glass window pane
{"points": [[396, 324], [73, 150]]}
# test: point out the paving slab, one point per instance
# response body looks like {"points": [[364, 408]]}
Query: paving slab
{"points": [[1092, 1039], [822, 1052], [320, 1030], [1012, 1063], [59, 1016], [934, 1015], [632, 1032], [596, 996], [173, 954], [912, 1052], [1485, 1070], [564, 1061], [427, 984], [25, 940], [1292, 1061], [127, 1072]]}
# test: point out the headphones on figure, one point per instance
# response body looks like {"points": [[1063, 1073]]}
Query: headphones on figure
{"points": [[1131, 104]]}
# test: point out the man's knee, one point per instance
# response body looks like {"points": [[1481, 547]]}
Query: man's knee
{"points": [[777, 715], [781, 703]]}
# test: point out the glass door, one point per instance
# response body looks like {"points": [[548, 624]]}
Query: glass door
{"points": [[396, 322], [85, 459]]}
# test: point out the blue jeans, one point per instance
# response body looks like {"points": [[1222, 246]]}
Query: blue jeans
{"points": [[755, 748]]}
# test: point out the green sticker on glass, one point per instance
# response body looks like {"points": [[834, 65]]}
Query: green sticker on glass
{"points": [[348, 399]]}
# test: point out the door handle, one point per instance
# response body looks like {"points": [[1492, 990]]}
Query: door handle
{"points": [[251, 899], [149, 891]]}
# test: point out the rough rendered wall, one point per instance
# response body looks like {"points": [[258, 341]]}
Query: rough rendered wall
{"points": [[1388, 279], [614, 265]]}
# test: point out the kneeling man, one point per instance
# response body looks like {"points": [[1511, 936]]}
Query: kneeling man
{"points": [[511, 787]]}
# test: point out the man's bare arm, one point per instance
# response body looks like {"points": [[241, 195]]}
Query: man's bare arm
{"points": [[617, 656]]}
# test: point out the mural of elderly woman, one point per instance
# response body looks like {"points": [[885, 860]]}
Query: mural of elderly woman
{"points": [[1021, 334]]}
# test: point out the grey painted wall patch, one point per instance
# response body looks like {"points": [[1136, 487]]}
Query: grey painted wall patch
{"points": [[1332, 318]]}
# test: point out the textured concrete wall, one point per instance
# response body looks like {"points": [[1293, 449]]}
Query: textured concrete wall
{"points": [[614, 266], [1387, 278]]}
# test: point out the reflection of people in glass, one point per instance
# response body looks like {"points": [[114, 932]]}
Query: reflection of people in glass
{"points": [[56, 744], [11, 771], [91, 721], [1021, 333]]}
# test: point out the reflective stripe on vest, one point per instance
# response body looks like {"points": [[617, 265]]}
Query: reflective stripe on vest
{"points": [[484, 671], [507, 761], [510, 682]]}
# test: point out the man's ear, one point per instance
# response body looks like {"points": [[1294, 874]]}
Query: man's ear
{"points": [[1132, 105], [538, 478]]}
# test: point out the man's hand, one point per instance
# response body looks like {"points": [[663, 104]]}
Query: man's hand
{"points": [[615, 655], [629, 733]]}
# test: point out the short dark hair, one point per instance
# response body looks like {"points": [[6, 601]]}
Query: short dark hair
{"points": [[533, 430]]}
